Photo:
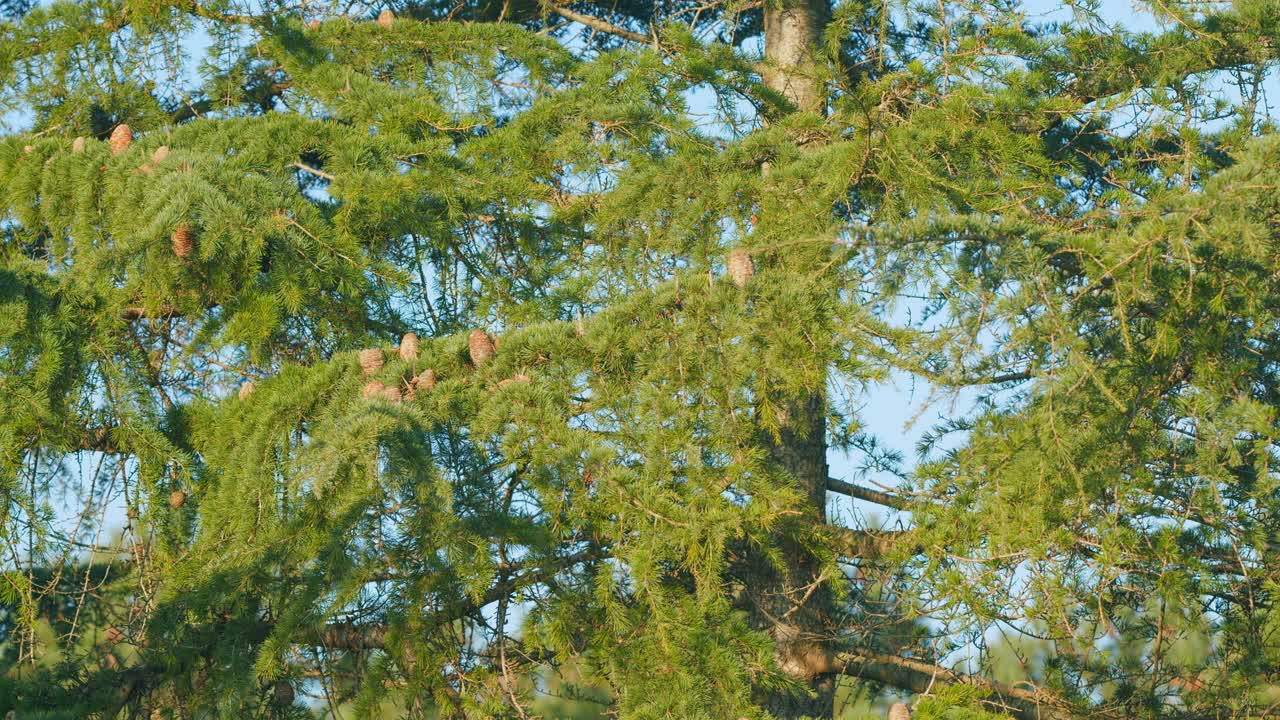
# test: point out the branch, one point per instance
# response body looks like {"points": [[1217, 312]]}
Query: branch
{"points": [[864, 493], [313, 171], [868, 544], [138, 313], [119, 687], [918, 677], [596, 23]]}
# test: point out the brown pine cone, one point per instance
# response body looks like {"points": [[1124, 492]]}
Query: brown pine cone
{"points": [[480, 346], [121, 139]]}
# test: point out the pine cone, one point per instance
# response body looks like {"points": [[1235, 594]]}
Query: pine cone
{"points": [[371, 360], [121, 139], [391, 394], [409, 347], [184, 241], [480, 346], [425, 380], [283, 693], [160, 154], [740, 267], [246, 390], [386, 17], [77, 145], [176, 499], [373, 390], [899, 711], [313, 25]]}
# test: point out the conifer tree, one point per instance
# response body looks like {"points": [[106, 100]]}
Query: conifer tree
{"points": [[479, 359]]}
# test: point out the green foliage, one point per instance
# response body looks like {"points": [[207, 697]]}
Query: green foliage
{"points": [[1056, 224]]}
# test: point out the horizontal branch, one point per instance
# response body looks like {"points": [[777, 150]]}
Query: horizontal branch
{"points": [[138, 313], [919, 677], [863, 493], [869, 544]]}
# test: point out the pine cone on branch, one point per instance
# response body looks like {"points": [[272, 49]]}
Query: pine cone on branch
{"points": [[246, 390], [899, 711], [385, 18], [480, 346], [371, 360], [283, 693], [121, 139], [77, 145], [517, 379], [184, 241], [157, 157], [425, 380], [177, 499], [373, 390], [409, 347], [740, 266]]}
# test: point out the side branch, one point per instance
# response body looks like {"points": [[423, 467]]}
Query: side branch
{"points": [[918, 676], [596, 23], [863, 493]]}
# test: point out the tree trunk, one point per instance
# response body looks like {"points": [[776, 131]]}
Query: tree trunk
{"points": [[792, 33], [785, 602]]}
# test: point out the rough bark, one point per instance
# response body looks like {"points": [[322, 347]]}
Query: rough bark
{"points": [[790, 603], [792, 33]]}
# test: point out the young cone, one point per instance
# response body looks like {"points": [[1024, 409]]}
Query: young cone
{"points": [[480, 346], [157, 157], [177, 498], [77, 145], [121, 139], [740, 266], [371, 360], [385, 18], [517, 379], [283, 693], [246, 390], [409, 347]]}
